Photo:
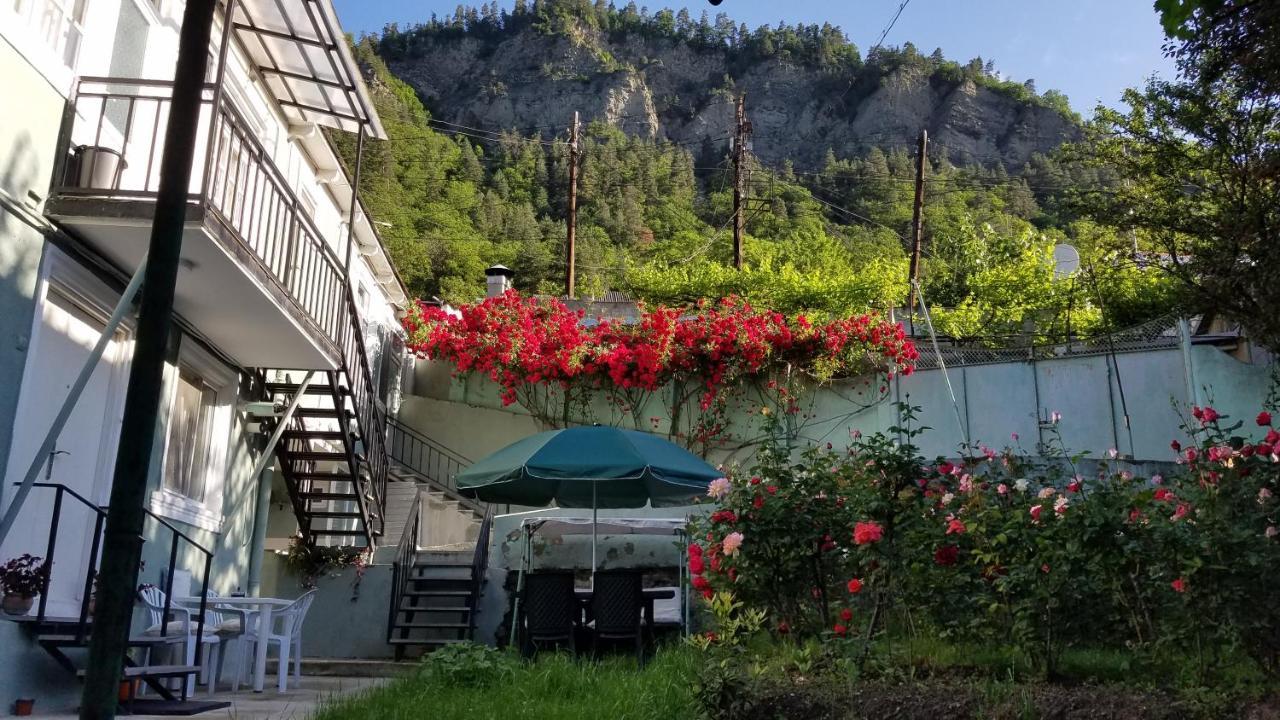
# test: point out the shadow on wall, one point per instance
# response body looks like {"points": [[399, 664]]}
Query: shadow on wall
{"points": [[21, 247]]}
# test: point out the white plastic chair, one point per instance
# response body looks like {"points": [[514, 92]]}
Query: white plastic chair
{"points": [[285, 632], [229, 624], [181, 629]]}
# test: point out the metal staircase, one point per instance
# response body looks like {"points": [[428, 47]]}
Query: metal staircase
{"points": [[333, 454]]}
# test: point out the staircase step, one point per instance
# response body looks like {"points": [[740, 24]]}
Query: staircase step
{"points": [[437, 593], [145, 671], [313, 435], [330, 413], [432, 609], [319, 456], [450, 573], [339, 533], [328, 496], [336, 477], [292, 388], [426, 641], [433, 626], [334, 515]]}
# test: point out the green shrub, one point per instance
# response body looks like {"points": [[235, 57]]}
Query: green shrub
{"points": [[468, 664]]}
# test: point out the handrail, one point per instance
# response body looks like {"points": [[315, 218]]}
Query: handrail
{"points": [[368, 414], [406, 556], [100, 513], [480, 562], [426, 457]]}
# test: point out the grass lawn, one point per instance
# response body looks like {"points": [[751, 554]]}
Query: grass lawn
{"points": [[553, 688]]}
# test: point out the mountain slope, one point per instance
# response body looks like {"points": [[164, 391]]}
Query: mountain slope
{"points": [[657, 76]]}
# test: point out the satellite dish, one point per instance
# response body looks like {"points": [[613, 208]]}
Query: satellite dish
{"points": [[1066, 260]]}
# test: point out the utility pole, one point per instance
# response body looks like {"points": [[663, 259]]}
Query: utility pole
{"points": [[741, 131], [571, 237], [917, 221], [122, 542]]}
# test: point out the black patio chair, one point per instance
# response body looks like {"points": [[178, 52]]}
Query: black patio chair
{"points": [[551, 611], [617, 604]]}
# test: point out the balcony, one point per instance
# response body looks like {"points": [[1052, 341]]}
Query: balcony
{"points": [[259, 279]]}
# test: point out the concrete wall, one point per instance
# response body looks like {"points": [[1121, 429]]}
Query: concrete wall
{"points": [[993, 404]]}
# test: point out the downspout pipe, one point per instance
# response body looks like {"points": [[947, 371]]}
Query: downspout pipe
{"points": [[264, 474], [69, 403]]}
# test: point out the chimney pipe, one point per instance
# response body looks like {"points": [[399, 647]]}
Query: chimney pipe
{"points": [[498, 280]]}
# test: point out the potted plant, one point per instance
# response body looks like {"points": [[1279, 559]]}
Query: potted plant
{"points": [[21, 579], [24, 706]]}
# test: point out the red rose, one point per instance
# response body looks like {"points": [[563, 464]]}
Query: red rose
{"points": [[772, 489], [757, 502], [1073, 486], [1264, 418], [701, 583], [854, 586], [1177, 446], [955, 526], [1162, 494], [1044, 568], [784, 627], [708, 594], [755, 481], [1272, 437], [695, 565], [1179, 585], [840, 630], [867, 532], [695, 550], [946, 555], [846, 615]]}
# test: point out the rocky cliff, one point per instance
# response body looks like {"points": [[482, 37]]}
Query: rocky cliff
{"points": [[533, 80]]}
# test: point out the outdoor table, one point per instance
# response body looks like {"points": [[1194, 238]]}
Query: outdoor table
{"points": [[649, 595], [263, 608]]}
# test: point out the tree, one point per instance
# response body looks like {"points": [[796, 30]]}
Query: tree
{"points": [[1199, 162]]}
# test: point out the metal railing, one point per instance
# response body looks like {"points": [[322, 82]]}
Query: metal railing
{"points": [[402, 566], [83, 619], [113, 145], [368, 412], [480, 564], [430, 459]]}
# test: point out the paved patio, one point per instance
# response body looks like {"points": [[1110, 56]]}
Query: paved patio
{"points": [[301, 700]]}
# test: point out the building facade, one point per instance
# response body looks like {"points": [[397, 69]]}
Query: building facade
{"points": [[283, 277]]}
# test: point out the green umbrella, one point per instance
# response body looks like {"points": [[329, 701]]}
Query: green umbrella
{"points": [[589, 467]]}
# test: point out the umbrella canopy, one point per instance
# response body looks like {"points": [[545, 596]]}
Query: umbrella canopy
{"points": [[589, 467]]}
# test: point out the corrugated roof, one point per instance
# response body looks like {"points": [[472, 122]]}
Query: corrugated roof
{"points": [[299, 48]]}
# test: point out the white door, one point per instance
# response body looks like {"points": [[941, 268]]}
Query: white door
{"points": [[68, 328]]}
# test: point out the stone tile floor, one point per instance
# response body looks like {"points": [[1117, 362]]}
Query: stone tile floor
{"points": [[298, 703]]}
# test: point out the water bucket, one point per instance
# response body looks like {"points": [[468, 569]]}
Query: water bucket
{"points": [[98, 167]]}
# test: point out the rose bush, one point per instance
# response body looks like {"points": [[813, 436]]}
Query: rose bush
{"points": [[1005, 549]]}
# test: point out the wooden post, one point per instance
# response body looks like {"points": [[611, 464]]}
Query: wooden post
{"points": [[740, 132], [571, 236], [122, 544], [917, 222]]}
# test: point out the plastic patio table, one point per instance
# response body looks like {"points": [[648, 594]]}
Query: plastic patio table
{"points": [[264, 608]]}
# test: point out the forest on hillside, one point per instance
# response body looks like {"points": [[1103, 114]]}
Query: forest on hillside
{"points": [[655, 217]]}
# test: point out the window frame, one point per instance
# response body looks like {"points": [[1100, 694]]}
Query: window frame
{"points": [[168, 503]]}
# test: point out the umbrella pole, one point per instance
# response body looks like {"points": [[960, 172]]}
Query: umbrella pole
{"points": [[515, 609], [594, 519]]}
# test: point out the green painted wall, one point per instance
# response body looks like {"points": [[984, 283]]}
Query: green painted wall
{"points": [[27, 142]]}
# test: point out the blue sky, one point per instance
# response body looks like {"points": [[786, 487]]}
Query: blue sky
{"points": [[1089, 49]]}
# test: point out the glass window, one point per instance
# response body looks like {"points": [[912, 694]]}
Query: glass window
{"points": [[57, 23], [190, 426]]}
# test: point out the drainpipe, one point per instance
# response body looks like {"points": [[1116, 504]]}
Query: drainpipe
{"points": [[261, 514]]}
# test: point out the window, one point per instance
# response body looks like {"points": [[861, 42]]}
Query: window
{"points": [[197, 433], [191, 425], [59, 24]]}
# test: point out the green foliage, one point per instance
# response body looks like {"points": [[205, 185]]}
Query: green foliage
{"points": [[469, 664]]}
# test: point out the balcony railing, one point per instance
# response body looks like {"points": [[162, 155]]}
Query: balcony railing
{"points": [[113, 150]]}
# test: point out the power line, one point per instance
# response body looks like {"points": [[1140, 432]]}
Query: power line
{"points": [[894, 21]]}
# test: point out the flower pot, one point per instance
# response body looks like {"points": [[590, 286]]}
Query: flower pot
{"points": [[16, 604], [97, 167], [24, 706], [128, 688]]}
